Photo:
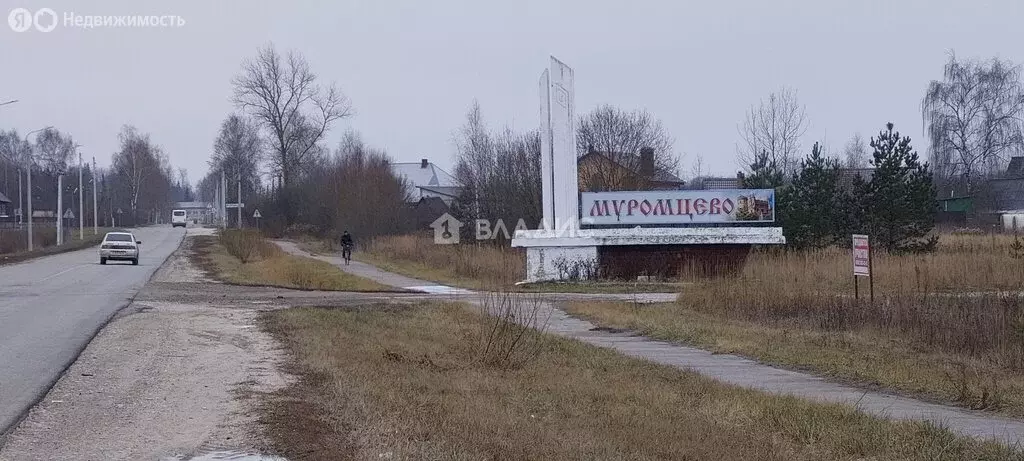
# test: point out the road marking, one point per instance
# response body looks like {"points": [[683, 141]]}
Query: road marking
{"points": [[65, 271]]}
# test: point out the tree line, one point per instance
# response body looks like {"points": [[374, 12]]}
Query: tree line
{"points": [[974, 121], [139, 181], [895, 205], [276, 146]]}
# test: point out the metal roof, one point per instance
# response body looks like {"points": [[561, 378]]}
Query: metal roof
{"points": [[420, 176], [187, 205]]}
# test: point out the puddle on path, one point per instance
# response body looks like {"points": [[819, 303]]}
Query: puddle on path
{"points": [[228, 455]]}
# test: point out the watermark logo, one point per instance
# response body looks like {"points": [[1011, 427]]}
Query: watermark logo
{"points": [[446, 230], [21, 19], [46, 20]]}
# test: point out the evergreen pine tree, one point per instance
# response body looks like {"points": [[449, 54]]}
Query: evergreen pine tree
{"points": [[812, 206], [764, 173], [898, 207]]}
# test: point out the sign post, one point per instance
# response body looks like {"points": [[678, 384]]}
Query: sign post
{"points": [[256, 215], [862, 264]]}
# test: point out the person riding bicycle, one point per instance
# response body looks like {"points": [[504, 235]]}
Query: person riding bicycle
{"points": [[346, 244]]}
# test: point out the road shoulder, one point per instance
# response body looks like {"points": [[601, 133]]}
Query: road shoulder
{"points": [[165, 380]]}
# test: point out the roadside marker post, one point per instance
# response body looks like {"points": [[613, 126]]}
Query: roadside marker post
{"points": [[863, 264]]}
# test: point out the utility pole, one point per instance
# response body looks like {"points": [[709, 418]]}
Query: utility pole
{"points": [[216, 198], [28, 167], [60, 208], [29, 186], [95, 210], [21, 200], [81, 201], [239, 200], [223, 200]]}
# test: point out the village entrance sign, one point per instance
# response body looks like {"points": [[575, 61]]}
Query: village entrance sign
{"points": [[693, 224]]}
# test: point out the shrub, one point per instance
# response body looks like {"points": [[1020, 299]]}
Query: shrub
{"points": [[511, 334], [245, 244]]}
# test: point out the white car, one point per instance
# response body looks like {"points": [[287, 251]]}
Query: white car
{"points": [[120, 246], [179, 218]]}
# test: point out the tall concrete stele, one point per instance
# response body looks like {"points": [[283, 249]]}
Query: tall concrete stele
{"points": [[558, 147], [560, 195], [561, 240]]}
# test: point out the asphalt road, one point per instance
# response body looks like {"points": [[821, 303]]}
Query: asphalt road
{"points": [[51, 307]]}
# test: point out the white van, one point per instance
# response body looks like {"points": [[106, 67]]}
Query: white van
{"points": [[179, 218]]}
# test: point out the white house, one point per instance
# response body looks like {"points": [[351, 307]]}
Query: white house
{"points": [[427, 180]]}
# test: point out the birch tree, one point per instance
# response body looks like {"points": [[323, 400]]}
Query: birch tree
{"points": [[772, 130], [974, 119]]}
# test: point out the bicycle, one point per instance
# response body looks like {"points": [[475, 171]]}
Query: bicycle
{"points": [[346, 252]]}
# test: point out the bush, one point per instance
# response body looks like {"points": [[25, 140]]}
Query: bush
{"points": [[511, 333], [246, 244]]}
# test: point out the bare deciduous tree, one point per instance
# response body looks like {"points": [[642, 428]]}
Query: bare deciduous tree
{"points": [[55, 150], [14, 154], [499, 173], [282, 93], [142, 170], [185, 189], [974, 118], [697, 169], [856, 152], [619, 136], [773, 128], [238, 148], [359, 190]]}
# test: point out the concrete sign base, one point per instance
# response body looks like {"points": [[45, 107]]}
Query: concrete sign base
{"points": [[552, 255]]}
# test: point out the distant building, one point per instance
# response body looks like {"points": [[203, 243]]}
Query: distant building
{"points": [[6, 213], [431, 191], [848, 176], [201, 211], [44, 216], [600, 171], [425, 179], [998, 201], [426, 211], [709, 183]]}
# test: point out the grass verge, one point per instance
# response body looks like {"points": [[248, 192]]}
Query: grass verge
{"points": [[252, 260], [922, 363], [483, 266], [74, 244], [387, 383]]}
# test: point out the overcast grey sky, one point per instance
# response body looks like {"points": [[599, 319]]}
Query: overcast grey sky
{"points": [[412, 68]]}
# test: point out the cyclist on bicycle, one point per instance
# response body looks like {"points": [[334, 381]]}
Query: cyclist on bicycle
{"points": [[346, 244]]}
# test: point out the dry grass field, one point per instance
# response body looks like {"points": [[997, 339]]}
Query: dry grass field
{"points": [[421, 382], [963, 263], [477, 266], [246, 258], [947, 325]]}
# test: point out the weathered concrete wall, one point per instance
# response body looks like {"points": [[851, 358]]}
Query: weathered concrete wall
{"points": [[671, 261], [627, 253], [545, 263]]}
